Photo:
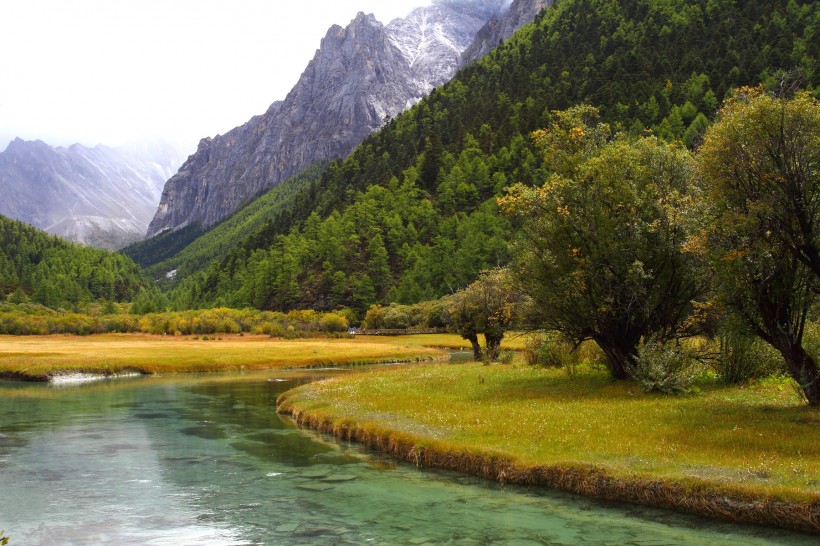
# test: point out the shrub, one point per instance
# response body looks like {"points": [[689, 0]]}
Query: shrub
{"points": [[374, 318], [743, 357], [532, 350], [331, 322], [667, 368], [396, 316], [505, 356], [549, 351], [435, 314]]}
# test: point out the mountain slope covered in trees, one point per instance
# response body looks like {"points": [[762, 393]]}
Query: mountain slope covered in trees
{"points": [[48, 270], [411, 214]]}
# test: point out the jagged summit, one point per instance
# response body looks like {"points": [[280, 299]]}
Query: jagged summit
{"points": [[360, 75]]}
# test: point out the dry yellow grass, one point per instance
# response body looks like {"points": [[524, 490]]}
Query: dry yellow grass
{"points": [[512, 340], [41, 357]]}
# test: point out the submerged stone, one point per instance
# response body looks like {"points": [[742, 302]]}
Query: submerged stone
{"points": [[315, 473], [339, 478], [314, 487], [314, 531]]}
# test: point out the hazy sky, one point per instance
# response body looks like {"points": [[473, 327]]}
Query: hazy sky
{"points": [[111, 71]]}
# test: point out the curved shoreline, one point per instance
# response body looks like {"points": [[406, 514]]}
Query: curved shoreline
{"points": [[697, 497]]}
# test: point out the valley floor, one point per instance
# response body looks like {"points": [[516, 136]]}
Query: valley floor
{"points": [[748, 453]]}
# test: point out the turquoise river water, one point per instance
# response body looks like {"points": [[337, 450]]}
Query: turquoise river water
{"points": [[205, 460]]}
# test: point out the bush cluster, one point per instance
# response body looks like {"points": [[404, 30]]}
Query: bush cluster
{"points": [[426, 314], [665, 367], [30, 319]]}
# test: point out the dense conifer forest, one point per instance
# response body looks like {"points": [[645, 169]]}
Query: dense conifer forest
{"points": [[44, 269]]}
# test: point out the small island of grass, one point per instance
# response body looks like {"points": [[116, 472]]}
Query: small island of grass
{"points": [[736, 453]]}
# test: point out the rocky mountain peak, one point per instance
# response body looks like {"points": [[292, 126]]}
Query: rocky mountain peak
{"points": [[501, 26], [360, 75]]}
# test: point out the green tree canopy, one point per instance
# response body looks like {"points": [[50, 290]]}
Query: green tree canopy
{"points": [[761, 164], [602, 251]]}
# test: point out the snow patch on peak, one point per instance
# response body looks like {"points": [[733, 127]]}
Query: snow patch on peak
{"points": [[431, 40]]}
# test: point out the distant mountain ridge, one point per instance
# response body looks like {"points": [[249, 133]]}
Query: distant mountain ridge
{"points": [[360, 76], [99, 196]]}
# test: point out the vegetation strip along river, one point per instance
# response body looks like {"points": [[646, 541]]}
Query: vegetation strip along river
{"points": [[740, 454]]}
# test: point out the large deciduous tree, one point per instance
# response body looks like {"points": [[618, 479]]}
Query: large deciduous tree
{"points": [[761, 164], [603, 248]]}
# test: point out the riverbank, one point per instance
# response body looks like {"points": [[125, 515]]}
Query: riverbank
{"points": [[45, 358], [746, 454]]}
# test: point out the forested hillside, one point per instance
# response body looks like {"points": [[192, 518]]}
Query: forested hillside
{"points": [[45, 269], [190, 250], [412, 213]]}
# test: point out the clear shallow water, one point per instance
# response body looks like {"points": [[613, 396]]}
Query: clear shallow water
{"points": [[206, 460]]}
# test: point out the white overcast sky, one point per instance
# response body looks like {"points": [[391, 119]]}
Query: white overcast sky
{"points": [[113, 71]]}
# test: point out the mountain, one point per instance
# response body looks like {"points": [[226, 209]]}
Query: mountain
{"points": [[100, 196], [412, 213], [360, 76], [502, 27]]}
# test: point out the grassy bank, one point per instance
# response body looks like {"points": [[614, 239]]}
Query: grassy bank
{"points": [[42, 357], [745, 454]]}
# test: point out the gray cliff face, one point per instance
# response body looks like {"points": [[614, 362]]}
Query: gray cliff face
{"points": [[360, 75], [99, 196], [500, 28]]}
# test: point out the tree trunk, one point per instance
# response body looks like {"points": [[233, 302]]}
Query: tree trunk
{"points": [[802, 368], [779, 330], [618, 359], [493, 344], [473, 339]]}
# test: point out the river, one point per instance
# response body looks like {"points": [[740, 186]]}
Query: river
{"points": [[205, 460]]}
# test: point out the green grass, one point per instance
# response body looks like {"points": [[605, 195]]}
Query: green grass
{"points": [[758, 441], [41, 357]]}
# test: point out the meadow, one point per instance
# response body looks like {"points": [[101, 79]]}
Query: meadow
{"points": [[748, 453], [39, 358], [514, 341]]}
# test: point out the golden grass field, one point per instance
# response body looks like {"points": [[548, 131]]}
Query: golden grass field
{"points": [[753, 442], [40, 357]]}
